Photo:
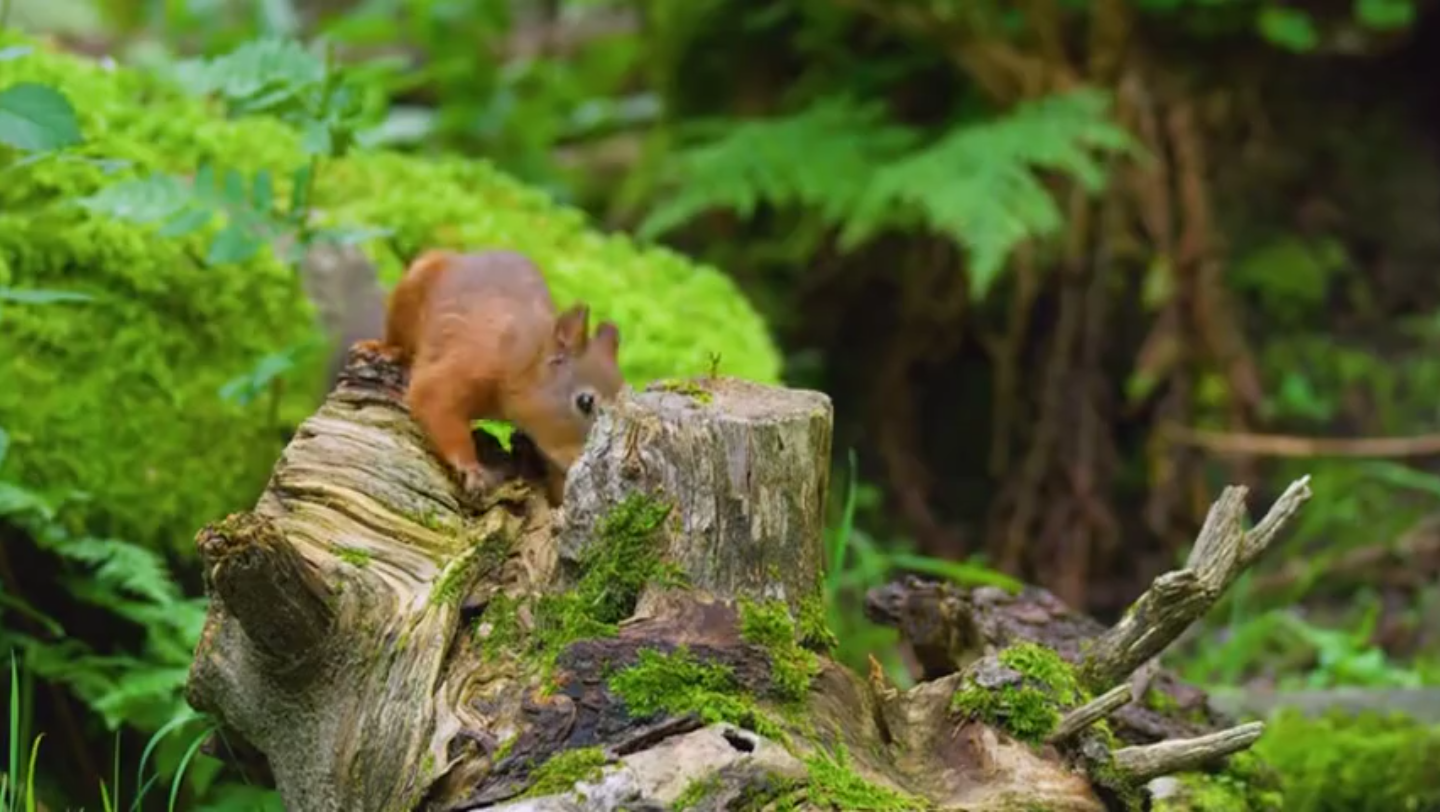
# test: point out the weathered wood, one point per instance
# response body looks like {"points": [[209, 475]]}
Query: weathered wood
{"points": [[745, 468], [1176, 599], [270, 590], [1072, 723], [382, 645], [1165, 758]]}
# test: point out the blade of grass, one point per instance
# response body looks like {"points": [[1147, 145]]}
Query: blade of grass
{"points": [[180, 771], [12, 800], [840, 538], [180, 719], [30, 775], [115, 772]]}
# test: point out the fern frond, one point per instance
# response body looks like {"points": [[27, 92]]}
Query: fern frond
{"points": [[122, 567], [846, 164], [979, 185], [822, 159]]}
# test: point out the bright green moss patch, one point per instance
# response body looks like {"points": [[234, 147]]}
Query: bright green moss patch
{"points": [[1030, 710], [487, 554], [1244, 785], [834, 784], [815, 633], [792, 666], [1365, 763], [678, 684], [564, 770], [689, 388], [695, 792], [498, 628], [121, 396], [354, 556], [626, 556]]}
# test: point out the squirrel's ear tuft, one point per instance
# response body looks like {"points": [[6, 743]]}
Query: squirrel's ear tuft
{"points": [[570, 329], [607, 339]]}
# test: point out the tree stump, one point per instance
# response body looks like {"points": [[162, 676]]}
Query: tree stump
{"points": [[657, 641]]}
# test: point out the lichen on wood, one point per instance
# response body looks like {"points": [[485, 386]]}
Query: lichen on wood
{"points": [[657, 640]]}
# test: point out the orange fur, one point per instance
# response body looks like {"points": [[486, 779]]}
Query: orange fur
{"points": [[483, 341]]}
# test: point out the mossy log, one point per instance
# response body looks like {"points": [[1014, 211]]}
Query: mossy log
{"points": [[375, 643]]}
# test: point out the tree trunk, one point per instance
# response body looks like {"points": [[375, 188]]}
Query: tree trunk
{"points": [[374, 643]]}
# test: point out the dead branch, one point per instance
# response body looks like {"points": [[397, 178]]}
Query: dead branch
{"points": [[1090, 713], [1166, 758], [1178, 598], [1296, 446]]}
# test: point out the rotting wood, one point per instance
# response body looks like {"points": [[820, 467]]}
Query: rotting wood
{"points": [[386, 647]]}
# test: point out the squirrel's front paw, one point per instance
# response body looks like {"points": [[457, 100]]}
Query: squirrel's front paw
{"points": [[476, 482]]}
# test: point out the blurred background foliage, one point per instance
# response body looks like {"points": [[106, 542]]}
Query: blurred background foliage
{"points": [[1065, 266]]}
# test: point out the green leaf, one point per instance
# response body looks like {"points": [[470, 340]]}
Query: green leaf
{"points": [[187, 222], [4, 445], [300, 194], [262, 195], [316, 139], [36, 296], [845, 165], [154, 199], [37, 118], [1385, 15], [1289, 28], [233, 194], [232, 244], [16, 501]]}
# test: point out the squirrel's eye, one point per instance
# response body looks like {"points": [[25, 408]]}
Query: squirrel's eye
{"points": [[585, 402]]}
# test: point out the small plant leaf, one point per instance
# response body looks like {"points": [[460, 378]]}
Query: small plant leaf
{"points": [[154, 199], [37, 118], [1289, 28], [187, 222], [232, 244], [262, 195], [35, 296]]}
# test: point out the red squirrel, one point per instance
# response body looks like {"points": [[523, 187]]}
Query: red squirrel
{"points": [[482, 339]]}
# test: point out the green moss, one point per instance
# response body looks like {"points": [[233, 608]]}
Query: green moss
{"points": [[1030, 710], [834, 784], [119, 397], [503, 750], [774, 794], [1160, 702], [354, 556], [678, 683], [625, 556], [563, 770], [690, 388], [771, 626], [695, 792], [1128, 794], [501, 625], [815, 633], [485, 555], [1245, 784], [1364, 763]]}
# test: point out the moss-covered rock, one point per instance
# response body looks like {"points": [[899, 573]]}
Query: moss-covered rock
{"points": [[120, 397], [1026, 689]]}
